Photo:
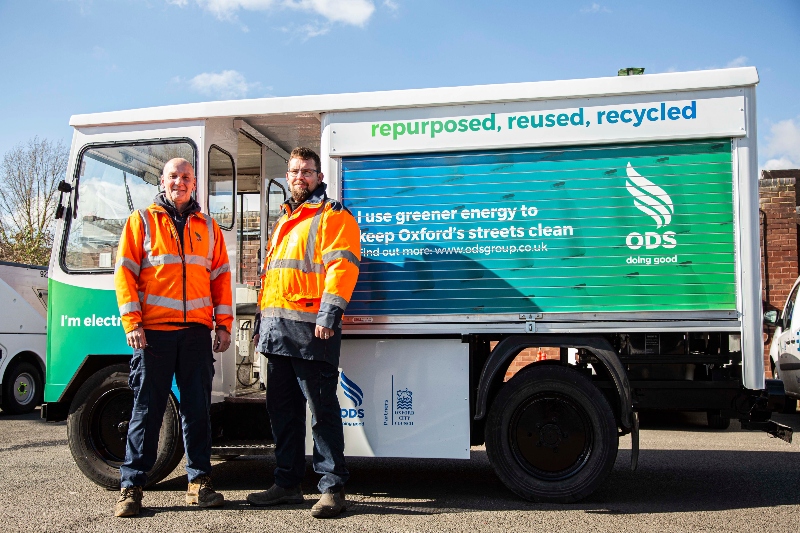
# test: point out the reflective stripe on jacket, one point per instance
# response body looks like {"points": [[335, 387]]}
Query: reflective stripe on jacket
{"points": [[159, 284], [309, 273]]}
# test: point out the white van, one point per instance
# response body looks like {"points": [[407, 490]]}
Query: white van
{"points": [[784, 351], [23, 340]]}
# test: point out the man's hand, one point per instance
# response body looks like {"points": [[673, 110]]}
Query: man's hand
{"points": [[256, 338], [222, 340], [323, 333], [136, 339]]}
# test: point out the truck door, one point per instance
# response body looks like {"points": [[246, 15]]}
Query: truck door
{"points": [[788, 365], [258, 199], [275, 197]]}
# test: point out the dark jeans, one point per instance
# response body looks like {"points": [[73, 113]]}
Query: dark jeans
{"points": [[290, 382], [186, 354]]}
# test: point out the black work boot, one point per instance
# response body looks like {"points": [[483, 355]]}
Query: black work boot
{"points": [[276, 495], [129, 502], [202, 494], [329, 505]]}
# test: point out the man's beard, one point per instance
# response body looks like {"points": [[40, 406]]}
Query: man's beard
{"points": [[300, 195]]}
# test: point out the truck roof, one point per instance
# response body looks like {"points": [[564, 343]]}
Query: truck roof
{"points": [[507, 92]]}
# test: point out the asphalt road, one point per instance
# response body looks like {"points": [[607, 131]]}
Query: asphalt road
{"points": [[690, 478]]}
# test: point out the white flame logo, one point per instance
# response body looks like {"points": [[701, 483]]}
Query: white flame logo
{"points": [[649, 198]]}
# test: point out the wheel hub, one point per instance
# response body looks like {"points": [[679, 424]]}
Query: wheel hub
{"points": [[24, 388], [108, 429], [550, 436]]}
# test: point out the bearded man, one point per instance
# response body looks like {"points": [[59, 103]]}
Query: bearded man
{"points": [[309, 274]]}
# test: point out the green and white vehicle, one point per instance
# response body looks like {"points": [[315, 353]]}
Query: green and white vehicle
{"points": [[612, 218]]}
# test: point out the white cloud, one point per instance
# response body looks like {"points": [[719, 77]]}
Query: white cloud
{"points": [[355, 12], [307, 31], [392, 5], [595, 8], [311, 30], [783, 145], [740, 61], [228, 84]]}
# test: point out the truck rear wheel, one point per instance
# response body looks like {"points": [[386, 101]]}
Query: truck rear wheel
{"points": [[551, 435], [97, 429], [22, 388], [717, 421]]}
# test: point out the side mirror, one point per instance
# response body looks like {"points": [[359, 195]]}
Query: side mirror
{"points": [[63, 187], [771, 318]]}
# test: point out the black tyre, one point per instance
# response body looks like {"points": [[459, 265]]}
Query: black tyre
{"points": [[790, 404], [22, 388], [551, 435], [717, 421], [97, 429]]}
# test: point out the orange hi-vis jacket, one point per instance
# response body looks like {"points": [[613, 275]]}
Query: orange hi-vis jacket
{"points": [[310, 271], [161, 285]]}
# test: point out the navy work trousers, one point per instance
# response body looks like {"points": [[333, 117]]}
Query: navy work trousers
{"points": [[291, 381], [186, 354]]}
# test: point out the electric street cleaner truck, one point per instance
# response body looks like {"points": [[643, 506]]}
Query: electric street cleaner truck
{"points": [[615, 217]]}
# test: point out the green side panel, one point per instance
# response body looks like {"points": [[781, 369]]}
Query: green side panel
{"points": [[80, 322], [629, 228]]}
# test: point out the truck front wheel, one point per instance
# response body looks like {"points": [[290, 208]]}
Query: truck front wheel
{"points": [[97, 429], [551, 435]]}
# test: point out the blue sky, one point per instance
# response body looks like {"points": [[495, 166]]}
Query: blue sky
{"points": [[63, 57]]}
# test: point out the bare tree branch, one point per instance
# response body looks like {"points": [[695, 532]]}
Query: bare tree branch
{"points": [[29, 176]]}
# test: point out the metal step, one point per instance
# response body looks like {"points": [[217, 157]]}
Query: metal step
{"points": [[244, 447], [250, 396]]}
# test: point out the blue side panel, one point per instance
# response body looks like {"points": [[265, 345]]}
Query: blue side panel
{"points": [[645, 227]]}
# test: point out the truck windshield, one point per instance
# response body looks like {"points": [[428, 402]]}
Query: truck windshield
{"points": [[113, 181]]}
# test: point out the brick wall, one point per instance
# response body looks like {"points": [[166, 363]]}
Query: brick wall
{"points": [[250, 264], [528, 356], [778, 198]]}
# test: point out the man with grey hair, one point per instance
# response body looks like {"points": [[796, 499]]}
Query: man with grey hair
{"points": [[173, 288]]}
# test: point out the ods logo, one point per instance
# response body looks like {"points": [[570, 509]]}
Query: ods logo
{"points": [[353, 393], [652, 200]]}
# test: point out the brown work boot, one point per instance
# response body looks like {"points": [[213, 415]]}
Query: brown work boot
{"points": [[129, 502], [329, 505], [276, 495], [202, 494]]}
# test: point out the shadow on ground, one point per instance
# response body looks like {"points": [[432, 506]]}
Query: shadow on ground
{"points": [[668, 480]]}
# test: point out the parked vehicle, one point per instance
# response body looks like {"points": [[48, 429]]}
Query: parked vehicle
{"points": [[23, 340], [784, 354], [614, 216]]}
